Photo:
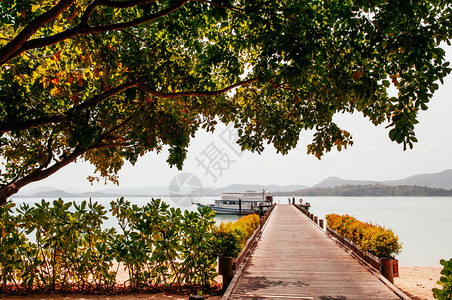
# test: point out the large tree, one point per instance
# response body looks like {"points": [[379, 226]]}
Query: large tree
{"points": [[108, 80]]}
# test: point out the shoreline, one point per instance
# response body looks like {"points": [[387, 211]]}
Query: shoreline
{"points": [[415, 282]]}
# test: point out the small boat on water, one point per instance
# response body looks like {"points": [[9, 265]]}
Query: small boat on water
{"points": [[239, 203]]}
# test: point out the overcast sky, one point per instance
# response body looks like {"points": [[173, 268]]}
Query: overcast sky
{"points": [[217, 162]]}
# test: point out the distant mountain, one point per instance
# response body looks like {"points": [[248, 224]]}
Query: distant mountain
{"points": [[152, 191], [27, 192], [336, 181], [138, 191], [57, 193], [441, 180], [54, 193], [373, 190], [239, 188]]}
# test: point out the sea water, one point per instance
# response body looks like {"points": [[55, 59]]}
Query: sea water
{"points": [[423, 224]]}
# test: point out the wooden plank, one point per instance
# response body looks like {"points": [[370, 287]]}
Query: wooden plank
{"points": [[294, 259]]}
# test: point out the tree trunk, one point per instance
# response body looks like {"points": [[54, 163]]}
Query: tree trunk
{"points": [[37, 175]]}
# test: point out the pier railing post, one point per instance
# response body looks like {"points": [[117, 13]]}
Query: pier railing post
{"points": [[240, 207], [387, 270]]}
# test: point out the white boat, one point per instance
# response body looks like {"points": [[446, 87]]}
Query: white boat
{"points": [[239, 203]]}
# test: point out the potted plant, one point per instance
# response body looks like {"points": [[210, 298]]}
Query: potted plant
{"points": [[227, 246]]}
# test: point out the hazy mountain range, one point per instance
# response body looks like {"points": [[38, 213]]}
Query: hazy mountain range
{"points": [[442, 180]]}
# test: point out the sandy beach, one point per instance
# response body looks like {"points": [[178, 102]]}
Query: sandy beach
{"points": [[418, 282], [415, 282]]}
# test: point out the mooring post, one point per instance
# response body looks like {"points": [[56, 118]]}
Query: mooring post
{"points": [[240, 207], [321, 223], [316, 220]]}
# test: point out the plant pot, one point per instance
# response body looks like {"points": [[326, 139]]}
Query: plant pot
{"points": [[226, 265], [387, 268], [395, 267]]}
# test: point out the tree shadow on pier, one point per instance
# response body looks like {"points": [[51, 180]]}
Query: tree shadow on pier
{"points": [[254, 283]]}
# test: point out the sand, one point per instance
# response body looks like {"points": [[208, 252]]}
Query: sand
{"points": [[415, 282], [418, 282]]}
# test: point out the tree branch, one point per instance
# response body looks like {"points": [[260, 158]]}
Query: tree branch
{"points": [[39, 174], [105, 95], [49, 153], [24, 125], [12, 49], [111, 145], [85, 28], [241, 10], [42, 173], [110, 131], [194, 93], [116, 4]]}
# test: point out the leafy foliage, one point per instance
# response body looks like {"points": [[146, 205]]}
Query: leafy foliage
{"points": [[62, 246], [445, 281], [231, 237], [108, 81], [376, 239]]}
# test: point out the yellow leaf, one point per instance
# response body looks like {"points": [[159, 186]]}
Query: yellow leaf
{"points": [[3, 233], [55, 91], [35, 7]]}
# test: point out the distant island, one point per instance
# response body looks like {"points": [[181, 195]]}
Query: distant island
{"points": [[375, 190], [422, 185]]}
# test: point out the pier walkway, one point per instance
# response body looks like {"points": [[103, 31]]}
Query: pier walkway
{"points": [[294, 259]]}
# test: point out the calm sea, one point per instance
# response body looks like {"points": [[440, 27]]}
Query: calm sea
{"points": [[423, 224]]}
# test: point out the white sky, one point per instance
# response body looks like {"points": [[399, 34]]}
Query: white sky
{"points": [[372, 157]]}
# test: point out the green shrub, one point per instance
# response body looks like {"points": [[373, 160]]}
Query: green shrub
{"points": [[445, 281], [159, 246], [231, 237], [375, 239], [228, 240]]}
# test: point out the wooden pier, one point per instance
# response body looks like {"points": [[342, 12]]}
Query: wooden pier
{"points": [[295, 259]]}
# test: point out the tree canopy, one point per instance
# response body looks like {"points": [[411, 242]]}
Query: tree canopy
{"points": [[108, 80]]}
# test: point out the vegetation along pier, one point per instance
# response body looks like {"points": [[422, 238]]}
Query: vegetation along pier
{"points": [[295, 259]]}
